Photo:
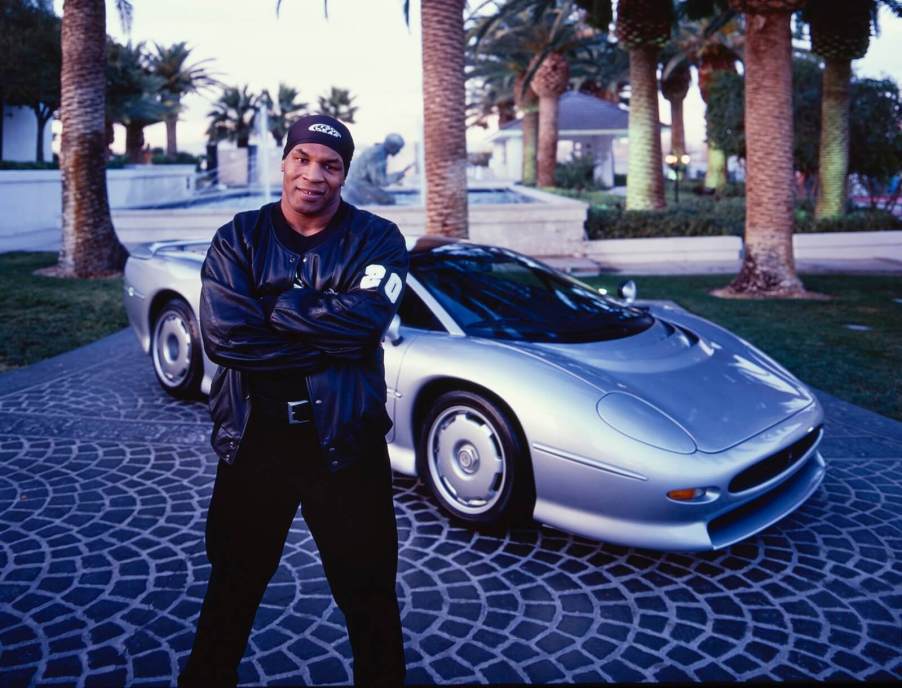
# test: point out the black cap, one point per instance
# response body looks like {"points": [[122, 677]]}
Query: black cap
{"points": [[322, 129]]}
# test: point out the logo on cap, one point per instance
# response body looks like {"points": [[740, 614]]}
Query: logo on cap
{"points": [[324, 129]]}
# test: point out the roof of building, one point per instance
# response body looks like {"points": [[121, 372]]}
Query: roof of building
{"points": [[579, 114]]}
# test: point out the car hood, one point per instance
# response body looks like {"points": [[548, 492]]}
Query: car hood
{"points": [[719, 388]]}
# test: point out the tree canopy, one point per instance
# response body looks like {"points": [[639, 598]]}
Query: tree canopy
{"points": [[875, 145]]}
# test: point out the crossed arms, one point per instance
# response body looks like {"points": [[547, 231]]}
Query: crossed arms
{"points": [[303, 329]]}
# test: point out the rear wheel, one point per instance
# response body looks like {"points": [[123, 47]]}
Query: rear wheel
{"points": [[176, 350], [474, 461]]}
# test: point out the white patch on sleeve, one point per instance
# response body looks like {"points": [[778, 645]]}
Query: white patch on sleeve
{"points": [[372, 276], [393, 287]]}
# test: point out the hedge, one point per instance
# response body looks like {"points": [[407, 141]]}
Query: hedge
{"points": [[705, 216]]}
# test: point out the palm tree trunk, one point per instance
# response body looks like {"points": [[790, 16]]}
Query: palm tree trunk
{"points": [[677, 129], [546, 159], [445, 143], [530, 145], [716, 173], [768, 267], [834, 145], [134, 143], [89, 244], [171, 145], [645, 177]]}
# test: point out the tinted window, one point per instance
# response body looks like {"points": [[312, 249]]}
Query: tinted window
{"points": [[415, 313], [492, 292]]}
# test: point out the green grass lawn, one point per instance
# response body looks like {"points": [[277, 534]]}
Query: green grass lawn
{"points": [[807, 337], [44, 316]]}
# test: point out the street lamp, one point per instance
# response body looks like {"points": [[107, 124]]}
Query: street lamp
{"points": [[679, 164]]}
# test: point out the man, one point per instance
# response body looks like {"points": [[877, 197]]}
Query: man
{"points": [[295, 299]]}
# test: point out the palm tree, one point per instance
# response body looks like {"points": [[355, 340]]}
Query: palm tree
{"points": [[715, 58], [233, 115], [840, 33], [712, 44], [133, 95], [283, 111], [89, 246], [339, 104], [549, 84], [604, 72], [444, 114], [768, 267], [527, 102], [179, 79], [497, 63], [540, 40], [642, 27], [674, 87]]}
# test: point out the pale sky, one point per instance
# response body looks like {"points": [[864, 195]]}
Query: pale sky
{"points": [[364, 46]]}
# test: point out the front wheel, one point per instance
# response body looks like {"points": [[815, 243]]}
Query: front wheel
{"points": [[176, 350], [474, 461]]}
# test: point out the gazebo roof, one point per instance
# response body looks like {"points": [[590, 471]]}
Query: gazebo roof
{"points": [[579, 115]]}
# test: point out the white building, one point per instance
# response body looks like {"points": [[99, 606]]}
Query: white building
{"points": [[586, 126], [20, 135]]}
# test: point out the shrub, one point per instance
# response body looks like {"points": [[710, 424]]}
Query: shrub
{"points": [[179, 158], [576, 173], [11, 165], [699, 219], [117, 162], [857, 221], [708, 216]]}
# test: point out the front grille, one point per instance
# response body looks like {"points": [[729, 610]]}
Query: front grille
{"points": [[775, 464]]}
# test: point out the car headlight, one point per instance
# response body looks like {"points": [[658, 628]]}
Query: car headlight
{"points": [[641, 421]]}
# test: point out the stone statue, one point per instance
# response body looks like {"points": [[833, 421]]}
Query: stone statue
{"points": [[368, 178]]}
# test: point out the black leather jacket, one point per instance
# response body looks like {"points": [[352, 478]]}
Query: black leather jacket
{"points": [[253, 319]]}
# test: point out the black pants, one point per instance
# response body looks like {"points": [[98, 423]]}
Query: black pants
{"points": [[351, 517]]}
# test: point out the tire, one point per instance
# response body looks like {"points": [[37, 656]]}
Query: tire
{"points": [[176, 350], [471, 455]]}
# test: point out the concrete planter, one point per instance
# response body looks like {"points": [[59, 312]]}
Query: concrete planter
{"points": [[553, 225], [849, 245], [664, 249], [815, 246]]}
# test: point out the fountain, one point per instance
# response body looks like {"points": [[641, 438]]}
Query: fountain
{"points": [[263, 155], [500, 213]]}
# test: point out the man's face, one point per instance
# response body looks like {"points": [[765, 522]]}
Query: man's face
{"points": [[312, 175]]}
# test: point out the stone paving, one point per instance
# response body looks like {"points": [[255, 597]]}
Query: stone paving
{"points": [[103, 493]]}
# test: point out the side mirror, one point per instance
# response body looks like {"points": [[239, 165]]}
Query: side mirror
{"points": [[393, 333], [627, 291]]}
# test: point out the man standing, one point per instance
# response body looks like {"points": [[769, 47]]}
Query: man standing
{"points": [[295, 299]]}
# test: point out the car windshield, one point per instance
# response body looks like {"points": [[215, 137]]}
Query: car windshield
{"points": [[495, 293]]}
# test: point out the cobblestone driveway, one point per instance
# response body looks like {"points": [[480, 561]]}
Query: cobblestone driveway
{"points": [[103, 492]]}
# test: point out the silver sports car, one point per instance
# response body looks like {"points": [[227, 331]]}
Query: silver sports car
{"points": [[516, 389]]}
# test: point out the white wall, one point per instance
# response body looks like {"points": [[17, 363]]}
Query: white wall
{"points": [[32, 199], [20, 131]]}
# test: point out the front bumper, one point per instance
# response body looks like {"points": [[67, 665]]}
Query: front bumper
{"points": [[632, 510]]}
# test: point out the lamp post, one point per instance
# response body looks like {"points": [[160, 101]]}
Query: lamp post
{"points": [[679, 164]]}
